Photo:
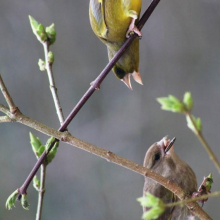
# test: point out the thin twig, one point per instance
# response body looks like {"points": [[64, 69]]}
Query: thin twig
{"points": [[7, 96], [53, 87], [194, 199], [94, 86], [201, 138], [5, 119], [109, 156], [41, 192]]}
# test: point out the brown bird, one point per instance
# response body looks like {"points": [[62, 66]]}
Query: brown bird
{"points": [[161, 159]]}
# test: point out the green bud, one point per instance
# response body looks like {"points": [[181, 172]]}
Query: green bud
{"points": [[50, 57], [209, 182], [35, 143], [171, 103], [41, 65], [11, 200], [34, 23], [51, 155], [24, 202], [41, 32], [188, 101], [210, 176], [196, 121], [36, 183], [153, 213], [38, 29], [51, 33], [149, 200], [40, 151]]}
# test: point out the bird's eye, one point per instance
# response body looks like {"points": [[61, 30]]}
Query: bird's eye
{"points": [[157, 157]]}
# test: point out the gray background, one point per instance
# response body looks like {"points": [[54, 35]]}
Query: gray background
{"points": [[180, 51]]}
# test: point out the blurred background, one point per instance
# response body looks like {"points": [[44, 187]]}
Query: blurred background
{"points": [[180, 51]]}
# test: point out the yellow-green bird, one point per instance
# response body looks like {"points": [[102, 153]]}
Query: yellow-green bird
{"points": [[112, 21]]}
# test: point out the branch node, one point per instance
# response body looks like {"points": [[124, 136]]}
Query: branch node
{"points": [[95, 85], [64, 136], [109, 155]]}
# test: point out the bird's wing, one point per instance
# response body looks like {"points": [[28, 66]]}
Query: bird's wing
{"points": [[97, 17]]}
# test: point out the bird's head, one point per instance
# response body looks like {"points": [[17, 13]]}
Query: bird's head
{"points": [[160, 157]]}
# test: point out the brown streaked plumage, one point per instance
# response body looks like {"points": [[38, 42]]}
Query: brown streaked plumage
{"points": [[168, 165]]}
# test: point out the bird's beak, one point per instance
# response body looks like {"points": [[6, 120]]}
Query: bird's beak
{"points": [[166, 144]]}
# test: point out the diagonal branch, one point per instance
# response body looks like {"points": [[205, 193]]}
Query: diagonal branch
{"points": [[109, 156], [95, 85], [7, 96]]}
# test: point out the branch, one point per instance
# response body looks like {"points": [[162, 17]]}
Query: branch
{"points": [[95, 85], [110, 157], [7, 96], [53, 87], [184, 202], [199, 135], [41, 192], [5, 119], [49, 58]]}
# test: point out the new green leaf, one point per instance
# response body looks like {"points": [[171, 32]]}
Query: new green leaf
{"points": [[171, 103], [188, 101], [24, 202], [11, 200], [195, 124], [35, 143], [51, 33]]}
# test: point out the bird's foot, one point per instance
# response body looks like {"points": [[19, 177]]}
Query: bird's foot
{"points": [[133, 29]]}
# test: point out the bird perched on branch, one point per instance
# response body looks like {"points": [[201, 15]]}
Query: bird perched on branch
{"points": [[112, 21], [161, 159]]}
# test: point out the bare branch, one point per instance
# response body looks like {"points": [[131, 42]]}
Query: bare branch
{"points": [[5, 119], [194, 199], [53, 87], [7, 96], [41, 192], [109, 156]]}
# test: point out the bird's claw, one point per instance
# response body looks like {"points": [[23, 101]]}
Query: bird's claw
{"points": [[133, 29]]}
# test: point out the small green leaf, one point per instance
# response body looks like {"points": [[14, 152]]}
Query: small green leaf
{"points": [[51, 33], [38, 29], [196, 121], [171, 103], [35, 142], [11, 200], [210, 176], [149, 200], [51, 155], [188, 101], [41, 32], [36, 183], [24, 202], [153, 213], [34, 23], [50, 57], [41, 65], [209, 182], [40, 150], [157, 206]]}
